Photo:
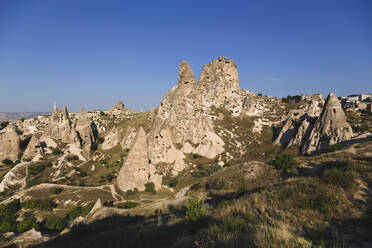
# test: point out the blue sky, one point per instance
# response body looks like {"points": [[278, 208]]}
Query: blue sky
{"points": [[92, 53]]}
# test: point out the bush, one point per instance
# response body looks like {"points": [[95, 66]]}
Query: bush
{"points": [[36, 168], [340, 177], [150, 187], [361, 129], [82, 174], [8, 162], [4, 124], [39, 204], [194, 208], [109, 177], [54, 223], [8, 223], [173, 183], [77, 211], [11, 208], [102, 113], [127, 205], [218, 183], [28, 223], [195, 156], [284, 162], [130, 192], [72, 157], [332, 148], [56, 190], [213, 168], [57, 151]]}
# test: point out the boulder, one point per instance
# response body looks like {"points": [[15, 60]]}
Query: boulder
{"points": [[210, 146]]}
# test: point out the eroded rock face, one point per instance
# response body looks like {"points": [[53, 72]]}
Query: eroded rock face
{"points": [[210, 146], [87, 133], [331, 127], [112, 139], [314, 130], [136, 171], [9, 144], [34, 148], [61, 127], [129, 136]]}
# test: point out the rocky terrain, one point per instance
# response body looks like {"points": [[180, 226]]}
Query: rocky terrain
{"points": [[213, 165]]}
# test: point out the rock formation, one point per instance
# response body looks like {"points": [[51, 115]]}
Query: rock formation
{"points": [[331, 127], [61, 127], [34, 148], [87, 132], [315, 130], [129, 136], [9, 144], [111, 139], [135, 172]]}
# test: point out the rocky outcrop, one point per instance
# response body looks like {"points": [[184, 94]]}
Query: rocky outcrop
{"points": [[34, 148], [210, 146], [331, 127], [135, 172], [129, 136], [9, 144], [61, 128], [87, 132], [112, 139], [316, 129]]}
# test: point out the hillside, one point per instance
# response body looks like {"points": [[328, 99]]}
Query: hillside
{"points": [[213, 166]]}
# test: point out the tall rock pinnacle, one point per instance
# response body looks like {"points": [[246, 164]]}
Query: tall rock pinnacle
{"points": [[331, 127]]}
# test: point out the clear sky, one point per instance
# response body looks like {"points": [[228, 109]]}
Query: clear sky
{"points": [[92, 53]]}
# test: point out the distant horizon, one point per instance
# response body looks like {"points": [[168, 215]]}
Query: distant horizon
{"points": [[91, 53]]}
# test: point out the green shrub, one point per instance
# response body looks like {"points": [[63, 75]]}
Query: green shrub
{"points": [[54, 223], [109, 177], [217, 183], [194, 208], [8, 162], [57, 151], [127, 205], [11, 208], [213, 168], [341, 177], [173, 183], [195, 156], [77, 211], [284, 162], [56, 190], [82, 174], [130, 192], [361, 129], [36, 168], [4, 124], [102, 113], [28, 223], [8, 224], [150, 187], [332, 148], [39, 204], [72, 157]]}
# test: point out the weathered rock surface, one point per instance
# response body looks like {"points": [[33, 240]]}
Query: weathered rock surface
{"points": [[129, 136], [112, 139], [34, 148], [87, 132], [331, 127], [9, 144], [135, 172], [210, 146]]}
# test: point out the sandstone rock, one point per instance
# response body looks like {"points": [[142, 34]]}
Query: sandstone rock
{"points": [[96, 206], [9, 144], [129, 136], [188, 148], [112, 139], [34, 148], [30, 236], [210, 146], [331, 127], [135, 172], [87, 131]]}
